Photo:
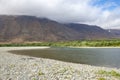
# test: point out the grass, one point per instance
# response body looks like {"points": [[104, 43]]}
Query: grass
{"points": [[40, 73], [109, 73], [62, 71], [34, 79], [12, 66], [101, 79], [86, 43]]}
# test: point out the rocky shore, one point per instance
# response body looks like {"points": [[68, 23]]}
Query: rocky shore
{"points": [[19, 67]]}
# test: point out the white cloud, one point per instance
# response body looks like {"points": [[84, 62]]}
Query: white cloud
{"points": [[64, 11]]}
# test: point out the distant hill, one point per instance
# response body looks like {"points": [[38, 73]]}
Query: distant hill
{"points": [[90, 32], [116, 32], [30, 28]]}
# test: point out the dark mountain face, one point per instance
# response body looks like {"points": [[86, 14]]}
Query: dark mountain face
{"points": [[116, 32], [90, 32], [30, 28]]}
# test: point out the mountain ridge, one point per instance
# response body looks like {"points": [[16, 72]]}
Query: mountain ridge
{"points": [[31, 28]]}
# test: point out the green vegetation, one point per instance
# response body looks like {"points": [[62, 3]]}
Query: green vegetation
{"points": [[12, 66], [101, 79], [34, 79], [40, 73], [109, 73], [89, 43]]}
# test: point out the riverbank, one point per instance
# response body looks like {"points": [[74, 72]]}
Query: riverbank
{"points": [[81, 43], [19, 67], [92, 47]]}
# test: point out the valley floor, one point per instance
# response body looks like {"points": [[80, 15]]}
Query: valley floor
{"points": [[19, 67]]}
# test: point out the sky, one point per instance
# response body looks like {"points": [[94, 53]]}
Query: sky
{"points": [[104, 13]]}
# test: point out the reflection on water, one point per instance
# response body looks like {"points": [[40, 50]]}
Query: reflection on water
{"points": [[109, 57]]}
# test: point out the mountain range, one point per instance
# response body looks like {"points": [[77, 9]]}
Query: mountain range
{"points": [[31, 28]]}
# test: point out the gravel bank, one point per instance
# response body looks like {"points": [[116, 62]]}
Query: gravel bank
{"points": [[19, 67]]}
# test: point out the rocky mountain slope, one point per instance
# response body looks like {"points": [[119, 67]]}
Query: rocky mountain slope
{"points": [[116, 32], [30, 28]]}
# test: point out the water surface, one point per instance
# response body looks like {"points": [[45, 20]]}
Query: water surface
{"points": [[107, 57]]}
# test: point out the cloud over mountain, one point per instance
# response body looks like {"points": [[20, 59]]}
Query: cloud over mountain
{"points": [[78, 11]]}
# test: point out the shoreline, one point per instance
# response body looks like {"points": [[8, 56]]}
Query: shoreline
{"points": [[43, 47], [93, 47], [20, 67]]}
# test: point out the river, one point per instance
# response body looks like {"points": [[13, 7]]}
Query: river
{"points": [[107, 57]]}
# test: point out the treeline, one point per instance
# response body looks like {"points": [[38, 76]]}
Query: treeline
{"points": [[89, 43]]}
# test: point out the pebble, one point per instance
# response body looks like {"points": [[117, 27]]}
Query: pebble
{"points": [[19, 67]]}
